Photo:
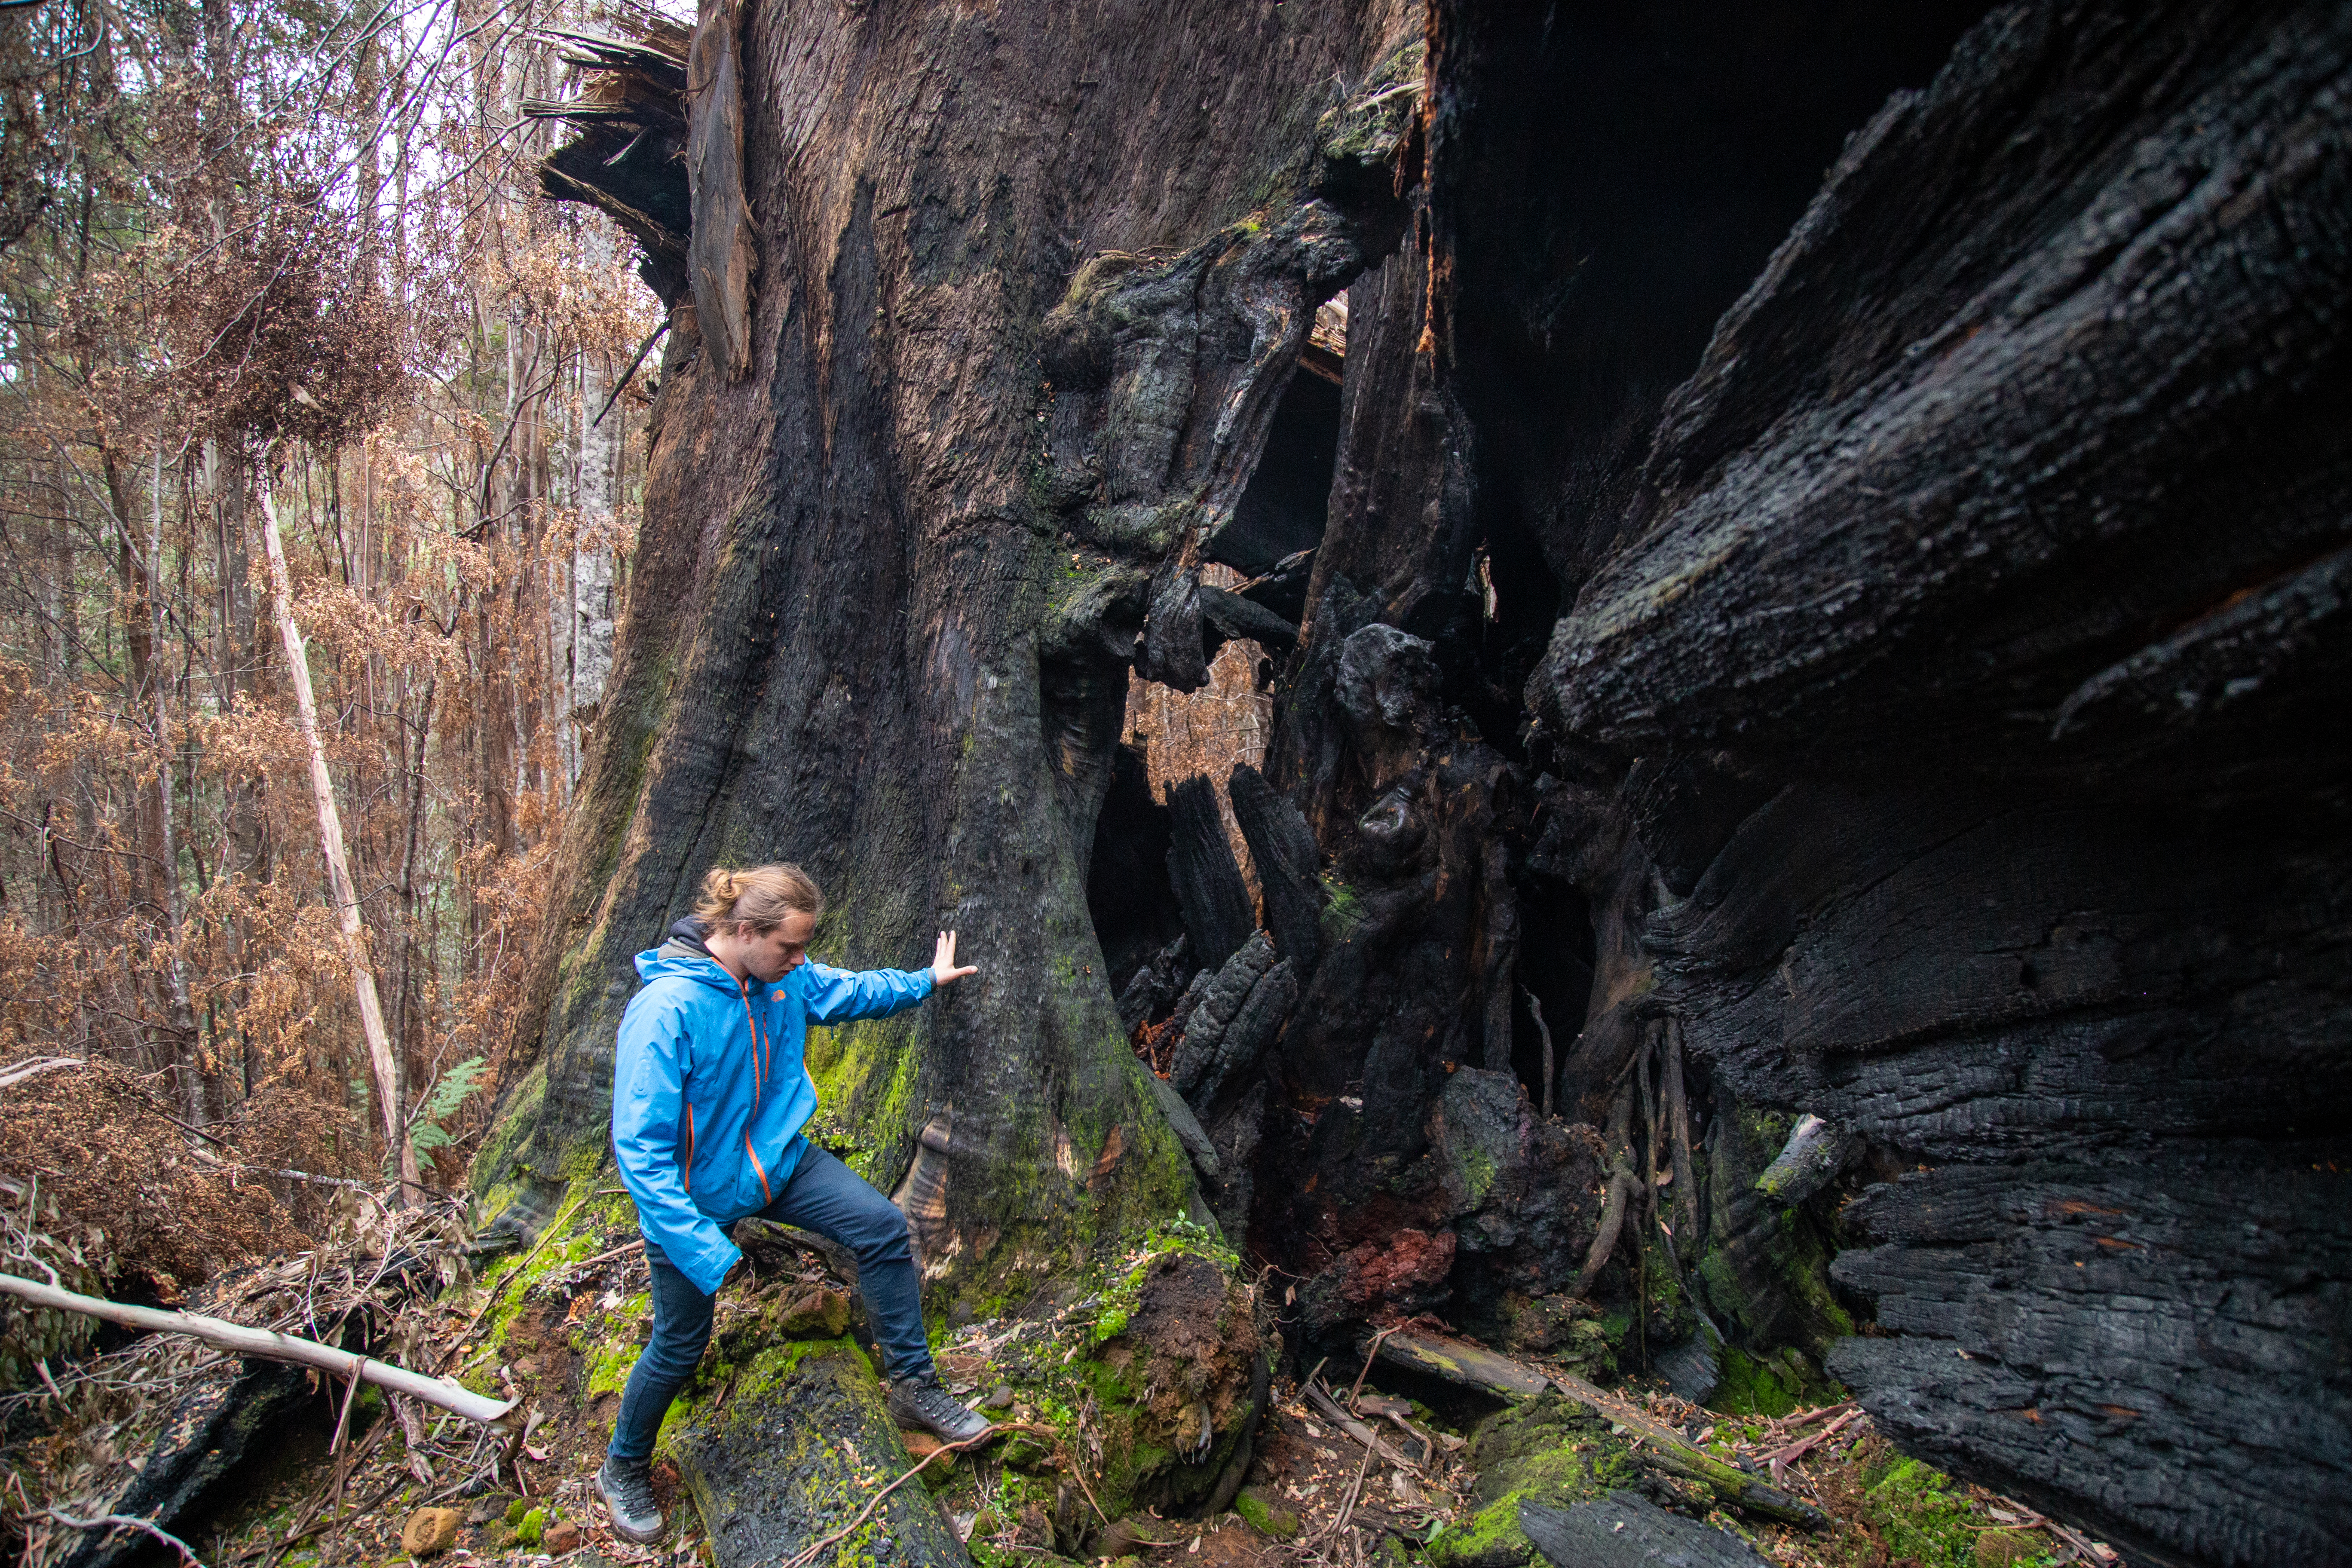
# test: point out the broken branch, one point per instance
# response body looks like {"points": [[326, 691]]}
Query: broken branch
{"points": [[1330, 1410], [130, 1521], [815, 1548], [270, 1345]]}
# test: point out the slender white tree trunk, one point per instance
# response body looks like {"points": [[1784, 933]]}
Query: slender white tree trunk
{"points": [[176, 968], [383, 1066], [588, 637]]}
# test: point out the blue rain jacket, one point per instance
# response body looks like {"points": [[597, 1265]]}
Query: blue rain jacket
{"points": [[710, 1092]]}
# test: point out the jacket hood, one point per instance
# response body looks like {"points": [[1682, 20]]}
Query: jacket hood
{"points": [[686, 954]]}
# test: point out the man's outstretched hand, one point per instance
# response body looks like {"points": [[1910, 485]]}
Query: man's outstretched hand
{"points": [[943, 965]]}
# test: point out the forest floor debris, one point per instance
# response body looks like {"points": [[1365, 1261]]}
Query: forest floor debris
{"points": [[1350, 1468]]}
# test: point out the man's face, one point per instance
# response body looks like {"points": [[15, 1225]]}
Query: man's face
{"points": [[776, 953]]}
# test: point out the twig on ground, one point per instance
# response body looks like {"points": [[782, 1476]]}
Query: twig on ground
{"points": [[1078, 1471], [1372, 1352], [545, 1237], [816, 1548], [1329, 1408], [129, 1521], [605, 1257], [2092, 1551], [1782, 1459], [1348, 1504]]}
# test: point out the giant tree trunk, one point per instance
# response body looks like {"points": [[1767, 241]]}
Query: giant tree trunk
{"points": [[979, 328], [1928, 660]]}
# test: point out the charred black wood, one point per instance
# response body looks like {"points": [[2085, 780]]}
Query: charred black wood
{"points": [[1201, 868], [1281, 513], [1281, 588], [1991, 871], [1228, 616], [1133, 904], [1289, 866], [1233, 1021], [1626, 1529], [1152, 992], [2004, 1286], [228, 1424]]}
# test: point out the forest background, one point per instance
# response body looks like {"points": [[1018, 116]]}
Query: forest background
{"points": [[276, 281]]}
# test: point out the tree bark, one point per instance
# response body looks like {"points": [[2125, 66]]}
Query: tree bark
{"points": [[1982, 730], [1899, 727], [1004, 373], [383, 1066]]}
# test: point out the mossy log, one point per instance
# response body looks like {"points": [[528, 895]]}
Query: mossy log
{"points": [[797, 1447], [1658, 1445]]}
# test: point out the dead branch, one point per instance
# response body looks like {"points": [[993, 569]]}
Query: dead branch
{"points": [[1781, 1460], [1656, 1444], [1330, 1410], [1622, 1186], [37, 1067], [1543, 1031], [130, 1521], [270, 1345]]}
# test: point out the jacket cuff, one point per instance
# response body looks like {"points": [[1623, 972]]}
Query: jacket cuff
{"points": [[711, 1268]]}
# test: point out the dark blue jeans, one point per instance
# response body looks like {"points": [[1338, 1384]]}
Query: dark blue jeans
{"points": [[823, 1195]]}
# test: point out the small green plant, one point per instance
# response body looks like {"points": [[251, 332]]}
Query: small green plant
{"points": [[429, 1129]]}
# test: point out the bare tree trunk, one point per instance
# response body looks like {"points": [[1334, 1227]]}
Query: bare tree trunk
{"points": [[383, 1065], [175, 967], [588, 632]]}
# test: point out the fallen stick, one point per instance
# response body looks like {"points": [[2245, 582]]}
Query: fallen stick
{"points": [[130, 1521], [491, 1298], [1802, 1419], [1475, 1367], [1373, 1441], [270, 1345], [1782, 1459], [1355, 1490], [18, 1072]]}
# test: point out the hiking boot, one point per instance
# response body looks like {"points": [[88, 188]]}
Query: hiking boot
{"points": [[628, 1494], [920, 1404]]}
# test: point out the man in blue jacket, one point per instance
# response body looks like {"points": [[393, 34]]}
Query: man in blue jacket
{"points": [[709, 1095]]}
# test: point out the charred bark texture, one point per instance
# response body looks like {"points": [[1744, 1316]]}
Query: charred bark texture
{"points": [[1932, 661], [2010, 838]]}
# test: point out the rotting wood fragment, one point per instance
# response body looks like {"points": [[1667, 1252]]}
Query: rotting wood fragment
{"points": [[1657, 1446]]}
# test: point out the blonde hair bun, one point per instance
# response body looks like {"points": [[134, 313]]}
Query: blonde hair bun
{"points": [[758, 898]]}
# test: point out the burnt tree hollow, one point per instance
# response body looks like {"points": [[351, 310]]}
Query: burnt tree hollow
{"points": [[1754, 593]]}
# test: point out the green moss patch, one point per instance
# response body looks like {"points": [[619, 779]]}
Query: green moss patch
{"points": [[1546, 1449]]}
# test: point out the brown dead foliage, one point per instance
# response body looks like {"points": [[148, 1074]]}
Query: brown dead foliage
{"points": [[167, 1204]]}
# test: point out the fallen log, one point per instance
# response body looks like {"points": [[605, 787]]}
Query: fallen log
{"points": [[270, 1345], [1657, 1444]]}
